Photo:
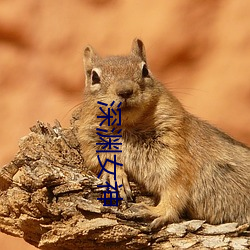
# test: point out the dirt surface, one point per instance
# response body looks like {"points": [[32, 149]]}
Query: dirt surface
{"points": [[200, 49]]}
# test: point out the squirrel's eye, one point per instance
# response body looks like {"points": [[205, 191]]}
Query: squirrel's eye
{"points": [[145, 72], [95, 78]]}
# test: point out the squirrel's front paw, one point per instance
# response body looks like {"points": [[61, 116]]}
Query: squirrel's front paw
{"points": [[142, 211], [160, 216], [158, 223], [121, 180]]}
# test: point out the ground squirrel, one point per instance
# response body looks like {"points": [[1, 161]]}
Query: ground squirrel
{"points": [[191, 167]]}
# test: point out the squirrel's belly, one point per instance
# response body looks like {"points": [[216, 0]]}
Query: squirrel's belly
{"points": [[145, 167]]}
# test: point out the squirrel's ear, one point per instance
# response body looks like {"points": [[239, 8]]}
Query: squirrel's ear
{"points": [[138, 49], [89, 57]]}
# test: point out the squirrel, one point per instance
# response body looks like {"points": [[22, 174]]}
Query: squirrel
{"points": [[191, 167]]}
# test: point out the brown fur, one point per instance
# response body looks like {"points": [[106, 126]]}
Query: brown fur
{"points": [[188, 164]]}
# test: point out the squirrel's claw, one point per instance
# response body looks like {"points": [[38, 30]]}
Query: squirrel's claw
{"points": [[121, 179]]}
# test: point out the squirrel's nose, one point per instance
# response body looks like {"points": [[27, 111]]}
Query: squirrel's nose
{"points": [[125, 93]]}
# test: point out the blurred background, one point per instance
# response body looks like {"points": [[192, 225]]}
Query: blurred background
{"points": [[199, 49]]}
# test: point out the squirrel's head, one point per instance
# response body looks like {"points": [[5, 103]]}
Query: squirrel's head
{"points": [[125, 79]]}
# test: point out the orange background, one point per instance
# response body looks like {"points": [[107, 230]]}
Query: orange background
{"points": [[200, 49]]}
